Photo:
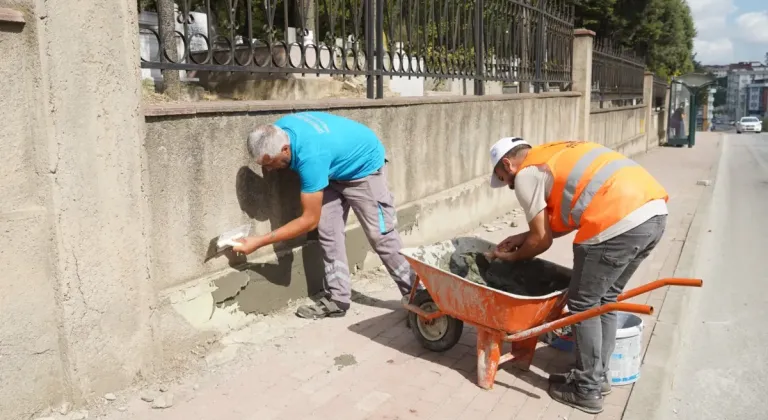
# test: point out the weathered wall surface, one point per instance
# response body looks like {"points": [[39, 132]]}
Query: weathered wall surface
{"points": [[31, 370], [95, 171], [74, 293], [622, 129]]}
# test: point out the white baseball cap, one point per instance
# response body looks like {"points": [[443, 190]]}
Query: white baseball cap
{"points": [[498, 150]]}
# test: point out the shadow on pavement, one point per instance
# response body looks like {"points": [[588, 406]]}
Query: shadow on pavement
{"points": [[390, 330]]}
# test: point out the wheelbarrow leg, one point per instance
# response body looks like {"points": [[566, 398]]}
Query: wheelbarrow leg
{"points": [[523, 351], [488, 354]]}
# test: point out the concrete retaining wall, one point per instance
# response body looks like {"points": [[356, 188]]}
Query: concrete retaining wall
{"points": [[201, 184], [31, 362], [75, 295], [622, 129]]}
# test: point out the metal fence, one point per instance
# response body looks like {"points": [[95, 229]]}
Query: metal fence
{"points": [[617, 74], [528, 41]]}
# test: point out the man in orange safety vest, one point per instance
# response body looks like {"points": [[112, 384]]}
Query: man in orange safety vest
{"points": [[619, 213]]}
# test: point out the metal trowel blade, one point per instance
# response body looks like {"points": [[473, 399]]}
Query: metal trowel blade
{"points": [[229, 239]]}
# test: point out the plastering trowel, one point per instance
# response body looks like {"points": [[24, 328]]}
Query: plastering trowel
{"points": [[226, 241], [229, 239]]}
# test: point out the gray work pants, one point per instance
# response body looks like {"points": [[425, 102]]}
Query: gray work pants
{"points": [[600, 273], [373, 205]]}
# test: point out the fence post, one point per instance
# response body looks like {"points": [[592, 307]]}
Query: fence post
{"points": [[583, 40], [648, 102], [370, 79], [665, 110], [379, 48], [539, 42], [479, 49]]}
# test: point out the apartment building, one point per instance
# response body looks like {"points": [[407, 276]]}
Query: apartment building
{"points": [[741, 96]]}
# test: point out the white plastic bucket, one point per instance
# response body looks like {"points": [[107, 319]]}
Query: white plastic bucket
{"points": [[626, 358]]}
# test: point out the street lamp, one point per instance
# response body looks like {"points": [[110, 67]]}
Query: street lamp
{"points": [[694, 83]]}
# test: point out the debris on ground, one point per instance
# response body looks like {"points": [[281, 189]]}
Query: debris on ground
{"points": [[147, 396], [79, 415], [110, 397], [344, 360], [704, 182], [163, 401], [65, 407]]}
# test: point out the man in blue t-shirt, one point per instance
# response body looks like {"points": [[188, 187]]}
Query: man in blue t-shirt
{"points": [[341, 165]]}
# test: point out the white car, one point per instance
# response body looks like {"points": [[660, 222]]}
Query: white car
{"points": [[749, 124]]}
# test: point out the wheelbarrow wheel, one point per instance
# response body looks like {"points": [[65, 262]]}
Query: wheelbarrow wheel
{"points": [[439, 334]]}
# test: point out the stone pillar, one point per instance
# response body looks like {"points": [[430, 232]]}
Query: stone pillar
{"points": [[31, 371], [582, 78], [648, 102], [98, 210]]}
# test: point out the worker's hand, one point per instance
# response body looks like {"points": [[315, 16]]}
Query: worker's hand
{"points": [[248, 245], [503, 255], [511, 243]]}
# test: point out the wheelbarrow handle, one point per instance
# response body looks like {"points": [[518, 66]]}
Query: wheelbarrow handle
{"points": [[581, 316], [659, 283]]}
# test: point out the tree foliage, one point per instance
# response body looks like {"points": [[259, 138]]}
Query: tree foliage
{"points": [[660, 30]]}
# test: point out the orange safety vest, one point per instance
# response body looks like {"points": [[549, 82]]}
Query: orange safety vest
{"points": [[594, 187]]}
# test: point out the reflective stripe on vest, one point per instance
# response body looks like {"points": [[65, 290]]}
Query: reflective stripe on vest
{"points": [[593, 188], [573, 211]]}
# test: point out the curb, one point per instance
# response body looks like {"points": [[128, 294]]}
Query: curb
{"points": [[648, 396]]}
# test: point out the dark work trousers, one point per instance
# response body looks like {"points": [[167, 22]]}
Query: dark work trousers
{"points": [[600, 273]]}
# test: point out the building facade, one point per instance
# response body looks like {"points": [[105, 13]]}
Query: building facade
{"points": [[739, 99], [757, 98]]}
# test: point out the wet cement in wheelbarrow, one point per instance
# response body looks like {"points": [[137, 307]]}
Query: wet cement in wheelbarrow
{"points": [[525, 278]]}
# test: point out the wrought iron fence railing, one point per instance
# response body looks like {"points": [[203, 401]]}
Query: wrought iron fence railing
{"points": [[527, 41], [617, 74]]}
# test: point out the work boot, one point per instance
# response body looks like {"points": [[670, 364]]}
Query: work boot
{"points": [[589, 402], [323, 308], [564, 378]]}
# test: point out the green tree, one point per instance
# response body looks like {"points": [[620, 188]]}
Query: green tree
{"points": [[660, 30]]}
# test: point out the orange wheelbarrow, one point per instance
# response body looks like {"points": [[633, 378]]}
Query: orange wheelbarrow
{"points": [[437, 317]]}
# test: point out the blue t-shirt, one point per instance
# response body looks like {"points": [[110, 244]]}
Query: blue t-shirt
{"points": [[326, 147]]}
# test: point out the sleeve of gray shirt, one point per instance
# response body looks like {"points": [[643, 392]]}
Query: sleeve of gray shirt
{"points": [[532, 185]]}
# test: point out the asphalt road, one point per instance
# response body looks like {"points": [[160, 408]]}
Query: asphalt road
{"points": [[722, 370]]}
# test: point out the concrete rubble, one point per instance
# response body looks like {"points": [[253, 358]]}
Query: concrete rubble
{"points": [[163, 401]]}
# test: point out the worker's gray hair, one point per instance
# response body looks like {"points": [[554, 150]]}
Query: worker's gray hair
{"points": [[266, 140]]}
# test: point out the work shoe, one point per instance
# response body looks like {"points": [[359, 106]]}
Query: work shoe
{"points": [[323, 308], [589, 402], [565, 378]]}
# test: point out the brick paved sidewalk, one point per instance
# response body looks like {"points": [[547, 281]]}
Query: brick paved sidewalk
{"points": [[368, 365]]}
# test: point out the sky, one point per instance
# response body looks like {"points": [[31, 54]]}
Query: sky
{"points": [[730, 31]]}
